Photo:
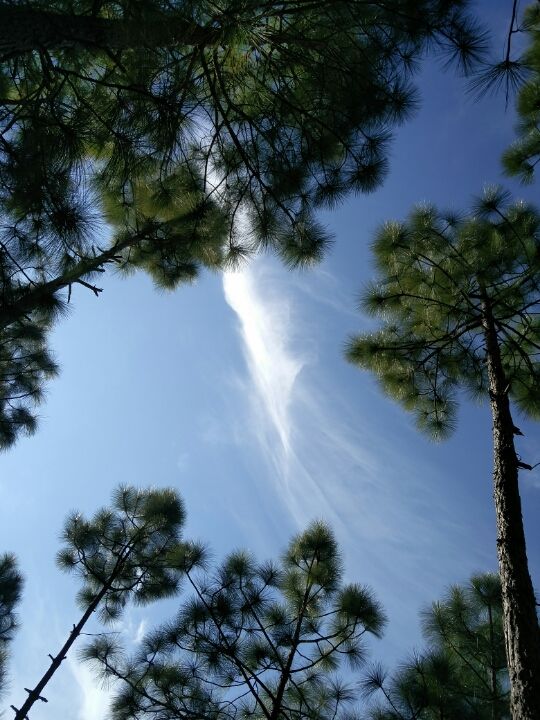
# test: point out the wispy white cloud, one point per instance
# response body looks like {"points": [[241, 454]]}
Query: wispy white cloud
{"points": [[328, 458], [314, 456], [141, 631], [266, 334], [273, 368], [323, 288], [131, 627]]}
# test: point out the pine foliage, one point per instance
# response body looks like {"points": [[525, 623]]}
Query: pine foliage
{"points": [[10, 593], [254, 640], [462, 673], [25, 364], [521, 158], [437, 272], [126, 553], [173, 136]]}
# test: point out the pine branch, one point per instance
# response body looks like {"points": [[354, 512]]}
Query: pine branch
{"points": [[27, 29]]}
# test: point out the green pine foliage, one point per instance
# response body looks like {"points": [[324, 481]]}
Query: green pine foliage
{"points": [[436, 271], [11, 584], [25, 364], [126, 553], [523, 155], [462, 673], [176, 136], [254, 640], [457, 300], [250, 640]]}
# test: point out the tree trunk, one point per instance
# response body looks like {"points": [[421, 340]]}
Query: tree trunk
{"points": [[35, 694], [521, 632], [24, 29]]}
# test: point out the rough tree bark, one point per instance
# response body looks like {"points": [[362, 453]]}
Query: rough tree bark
{"points": [[522, 635]]}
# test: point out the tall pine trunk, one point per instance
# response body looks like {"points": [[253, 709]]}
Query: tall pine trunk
{"points": [[521, 632], [24, 29]]}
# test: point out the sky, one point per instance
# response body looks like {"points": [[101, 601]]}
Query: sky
{"points": [[235, 392]]}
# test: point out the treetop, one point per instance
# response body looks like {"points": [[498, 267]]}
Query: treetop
{"points": [[440, 275]]}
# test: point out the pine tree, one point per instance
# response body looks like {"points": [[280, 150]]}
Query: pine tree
{"points": [[458, 301], [523, 155], [125, 553], [146, 134], [253, 640], [10, 593], [462, 673]]}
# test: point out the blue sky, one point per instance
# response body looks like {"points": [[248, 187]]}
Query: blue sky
{"points": [[235, 392]]}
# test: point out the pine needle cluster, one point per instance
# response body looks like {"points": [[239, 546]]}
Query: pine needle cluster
{"points": [[11, 584], [438, 275], [462, 675], [125, 553], [175, 136], [253, 640]]}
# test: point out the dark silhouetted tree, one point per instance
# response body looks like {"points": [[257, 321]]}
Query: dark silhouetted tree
{"points": [[254, 641], [138, 133], [10, 593], [458, 299], [462, 673]]}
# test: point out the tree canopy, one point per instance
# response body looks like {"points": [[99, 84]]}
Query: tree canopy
{"points": [[125, 553], [174, 136], [462, 674], [251, 638], [436, 271], [457, 297], [261, 640]]}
